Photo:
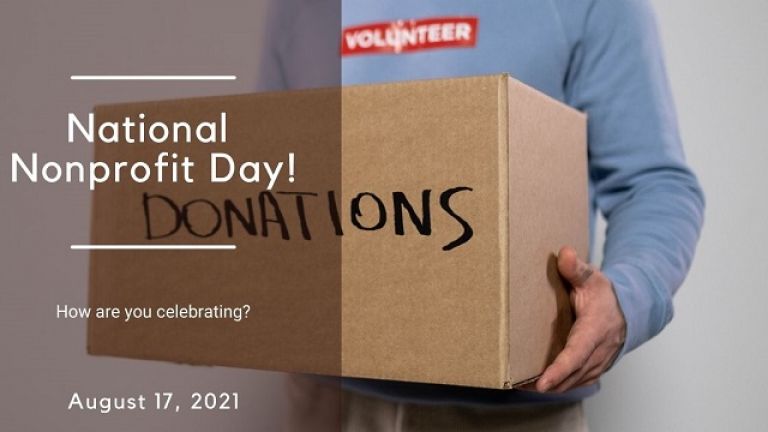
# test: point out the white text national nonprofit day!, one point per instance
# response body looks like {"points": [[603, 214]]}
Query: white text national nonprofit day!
{"points": [[168, 166]]}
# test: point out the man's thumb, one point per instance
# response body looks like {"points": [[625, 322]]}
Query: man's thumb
{"points": [[571, 268]]}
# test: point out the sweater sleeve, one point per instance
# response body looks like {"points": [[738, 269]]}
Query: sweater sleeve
{"points": [[650, 198], [269, 75]]}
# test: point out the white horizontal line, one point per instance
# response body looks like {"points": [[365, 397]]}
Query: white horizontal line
{"points": [[152, 247], [153, 77]]}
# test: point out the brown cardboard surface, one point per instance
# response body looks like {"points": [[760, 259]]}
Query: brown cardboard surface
{"points": [[378, 303], [547, 209], [292, 285]]}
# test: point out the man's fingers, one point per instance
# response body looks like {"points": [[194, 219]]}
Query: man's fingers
{"points": [[590, 377], [566, 363], [586, 354], [590, 348], [580, 346], [569, 381], [573, 269], [596, 371], [588, 383], [591, 370]]}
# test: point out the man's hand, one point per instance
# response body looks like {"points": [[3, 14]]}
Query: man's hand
{"points": [[597, 334]]}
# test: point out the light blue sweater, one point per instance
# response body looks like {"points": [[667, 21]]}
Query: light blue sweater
{"points": [[602, 57]]}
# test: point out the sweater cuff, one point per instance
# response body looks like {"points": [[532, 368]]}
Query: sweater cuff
{"points": [[643, 314]]}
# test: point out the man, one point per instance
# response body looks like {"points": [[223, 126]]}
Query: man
{"points": [[602, 57]]}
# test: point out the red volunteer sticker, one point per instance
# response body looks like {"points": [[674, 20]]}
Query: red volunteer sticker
{"points": [[394, 37]]}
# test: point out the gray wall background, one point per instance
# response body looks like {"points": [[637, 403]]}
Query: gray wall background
{"points": [[706, 372]]}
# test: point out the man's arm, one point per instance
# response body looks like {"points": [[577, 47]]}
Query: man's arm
{"points": [[300, 45], [270, 75], [651, 200]]}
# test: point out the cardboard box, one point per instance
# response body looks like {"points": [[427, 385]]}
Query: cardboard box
{"points": [[438, 208]]}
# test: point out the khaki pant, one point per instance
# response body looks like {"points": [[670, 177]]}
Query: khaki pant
{"points": [[363, 414], [327, 408]]}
